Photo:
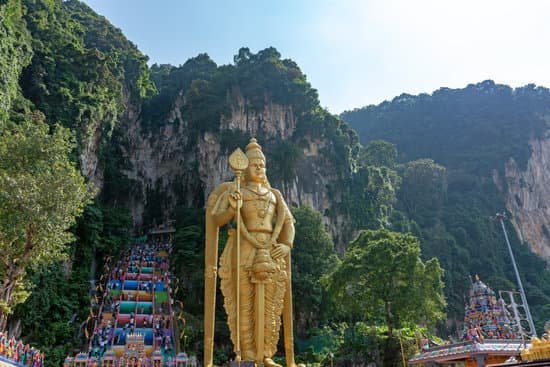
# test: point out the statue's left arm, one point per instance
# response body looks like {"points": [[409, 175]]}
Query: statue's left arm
{"points": [[284, 228], [287, 232]]}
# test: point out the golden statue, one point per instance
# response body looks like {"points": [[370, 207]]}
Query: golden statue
{"points": [[259, 293]]}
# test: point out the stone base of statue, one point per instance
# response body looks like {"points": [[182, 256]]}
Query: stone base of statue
{"points": [[243, 364]]}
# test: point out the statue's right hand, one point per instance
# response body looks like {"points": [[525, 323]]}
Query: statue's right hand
{"points": [[234, 199]]}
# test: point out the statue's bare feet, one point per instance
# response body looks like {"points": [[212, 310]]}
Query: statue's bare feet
{"points": [[268, 362]]}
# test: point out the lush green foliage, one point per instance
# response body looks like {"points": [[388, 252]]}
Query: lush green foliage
{"points": [[47, 314], [312, 257], [83, 68], [82, 74], [470, 132], [15, 53], [257, 78], [380, 153], [358, 343], [424, 186], [382, 279], [383, 290], [209, 91], [368, 195], [264, 76], [476, 128], [41, 194], [188, 258]]}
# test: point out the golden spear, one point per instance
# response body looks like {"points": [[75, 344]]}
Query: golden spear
{"points": [[238, 163]]}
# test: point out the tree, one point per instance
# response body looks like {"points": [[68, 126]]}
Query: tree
{"points": [[382, 278], [424, 185], [312, 257], [380, 153], [41, 194]]}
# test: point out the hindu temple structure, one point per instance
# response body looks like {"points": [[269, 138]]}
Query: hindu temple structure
{"points": [[492, 334]]}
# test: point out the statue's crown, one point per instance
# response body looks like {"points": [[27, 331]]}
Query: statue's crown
{"points": [[254, 150]]}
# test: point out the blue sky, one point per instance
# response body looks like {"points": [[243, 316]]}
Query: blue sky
{"points": [[354, 52]]}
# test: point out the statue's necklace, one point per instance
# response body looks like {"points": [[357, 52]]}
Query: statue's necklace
{"points": [[262, 204]]}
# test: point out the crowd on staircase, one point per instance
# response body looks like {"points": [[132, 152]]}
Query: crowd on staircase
{"points": [[134, 320]]}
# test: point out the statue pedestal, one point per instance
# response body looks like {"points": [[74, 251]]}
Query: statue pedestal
{"points": [[243, 364]]}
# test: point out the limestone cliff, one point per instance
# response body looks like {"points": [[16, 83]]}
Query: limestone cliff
{"points": [[528, 197], [178, 166]]}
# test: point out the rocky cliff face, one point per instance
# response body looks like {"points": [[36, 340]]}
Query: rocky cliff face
{"points": [[528, 197], [275, 121], [88, 157], [176, 166]]}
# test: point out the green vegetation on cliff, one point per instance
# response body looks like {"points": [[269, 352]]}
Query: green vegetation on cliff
{"points": [[475, 129], [208, 89], [84, 73], [449, 197], [15, 53]]}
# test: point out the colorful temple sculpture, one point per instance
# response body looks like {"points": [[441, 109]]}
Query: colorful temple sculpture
{"points": [[485, 317], [14, 352], [492, 334], [134, 324]]}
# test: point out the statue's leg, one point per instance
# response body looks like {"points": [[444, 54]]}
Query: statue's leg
{"points": [[248, 347], [274, 296]]}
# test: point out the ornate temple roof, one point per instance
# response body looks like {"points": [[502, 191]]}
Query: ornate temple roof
{"points": [[489, 329], [467, 349]]}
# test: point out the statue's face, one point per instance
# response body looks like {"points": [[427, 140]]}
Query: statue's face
{"points": [[256, 170]]}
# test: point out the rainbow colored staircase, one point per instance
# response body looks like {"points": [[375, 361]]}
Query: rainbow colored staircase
{"points": [[134, 326]]}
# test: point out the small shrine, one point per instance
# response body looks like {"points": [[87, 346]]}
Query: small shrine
{"points": [[485, 317], [134, 352], [108, 359], [491, 334], [81, 360]]}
